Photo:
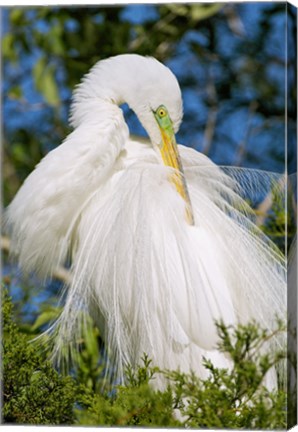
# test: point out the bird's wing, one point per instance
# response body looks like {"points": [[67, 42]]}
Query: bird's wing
{"points": [[44, 213]]}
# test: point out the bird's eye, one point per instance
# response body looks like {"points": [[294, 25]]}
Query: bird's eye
{"points": [[161, 112]]}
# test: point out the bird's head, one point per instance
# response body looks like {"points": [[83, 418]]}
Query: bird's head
{"points": [[153, 90]]}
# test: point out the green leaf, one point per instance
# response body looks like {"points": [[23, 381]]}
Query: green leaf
{"points": [[46, 317], [49, 87], [200, 12], [178, 9], [16, 16], [38, 72], [45, 81], [8, 46], [15, 92], [56, 37], [90, 339]]}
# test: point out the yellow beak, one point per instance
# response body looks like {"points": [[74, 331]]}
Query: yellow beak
{"points": [[170, 156]]}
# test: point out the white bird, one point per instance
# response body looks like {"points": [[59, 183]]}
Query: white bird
{"points": [[160, 240]]}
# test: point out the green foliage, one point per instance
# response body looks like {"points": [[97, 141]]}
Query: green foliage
{"points": [[230, 399], [135, 404], [279, 218], [34, 392], [45, 81], [236, 397], [214, 403]]}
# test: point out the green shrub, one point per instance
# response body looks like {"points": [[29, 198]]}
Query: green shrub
{"points": [[35, 393]]}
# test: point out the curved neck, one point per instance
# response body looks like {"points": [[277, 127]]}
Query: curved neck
{"points": [[99, 95], [95, 111], [127, 79]]}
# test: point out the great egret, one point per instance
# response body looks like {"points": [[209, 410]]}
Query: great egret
{"points": [[161, 243]]}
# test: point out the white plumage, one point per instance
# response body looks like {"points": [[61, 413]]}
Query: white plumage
{"points": [[152, 282]]}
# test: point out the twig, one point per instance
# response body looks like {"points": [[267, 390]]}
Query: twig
{"points": [[212, 116], [157, 27], [264, 207], [234, 21], [242, 146]]}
